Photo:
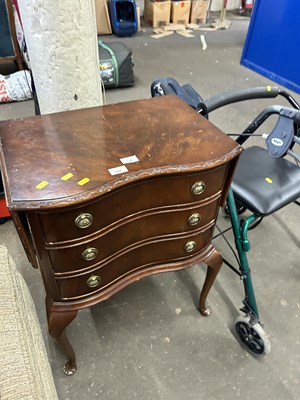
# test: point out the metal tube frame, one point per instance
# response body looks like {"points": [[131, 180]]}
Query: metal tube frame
{"points": [[242, 245]]}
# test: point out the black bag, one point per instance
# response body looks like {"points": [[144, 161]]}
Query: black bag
{"points": [[116, 64], [169, 86]]}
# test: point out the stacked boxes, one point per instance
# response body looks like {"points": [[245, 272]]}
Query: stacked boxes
{"points": [[160, 13], [157, 13], [180, 12], [199, 10]]}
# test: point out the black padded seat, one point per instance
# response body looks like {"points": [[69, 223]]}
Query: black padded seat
{"points": [[265, 184]]}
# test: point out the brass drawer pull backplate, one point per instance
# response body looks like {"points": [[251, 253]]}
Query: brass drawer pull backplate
{"points": [[194, 219], [93, 281], [84, 220], [198, 188], [89, 254], [190, 246]]}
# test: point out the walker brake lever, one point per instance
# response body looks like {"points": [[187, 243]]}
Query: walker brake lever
{"points": [[279, 141]]}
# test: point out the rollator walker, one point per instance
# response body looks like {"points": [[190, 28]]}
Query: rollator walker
{"points": [[266, 180]]}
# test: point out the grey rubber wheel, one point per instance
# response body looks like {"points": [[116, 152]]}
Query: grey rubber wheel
{"points": [[252, 337]]}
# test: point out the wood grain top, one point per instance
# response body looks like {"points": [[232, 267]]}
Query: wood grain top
{"points": [[64, 158]]}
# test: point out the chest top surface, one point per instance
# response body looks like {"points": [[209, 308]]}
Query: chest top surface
{"points": [[58, 158]]}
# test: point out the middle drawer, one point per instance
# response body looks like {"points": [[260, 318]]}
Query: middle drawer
{"points": [[155, 224]]}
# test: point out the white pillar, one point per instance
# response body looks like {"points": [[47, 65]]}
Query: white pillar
{"points": [[61, 37]]}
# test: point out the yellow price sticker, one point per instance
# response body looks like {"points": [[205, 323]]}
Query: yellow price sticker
{"points": [[83, 181], [66, 177], [42, 184]]}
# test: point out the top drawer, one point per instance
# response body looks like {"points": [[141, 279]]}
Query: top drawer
{"points": [[110, 208]]}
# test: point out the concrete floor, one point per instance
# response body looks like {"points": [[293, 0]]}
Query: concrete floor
{"points": [[149, 341]]}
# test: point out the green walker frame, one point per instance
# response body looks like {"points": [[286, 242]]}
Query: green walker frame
{"points": [[248, 329]]}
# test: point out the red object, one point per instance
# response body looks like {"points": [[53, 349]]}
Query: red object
{"points": [[17, 10], [4, 211], [248, 4]]}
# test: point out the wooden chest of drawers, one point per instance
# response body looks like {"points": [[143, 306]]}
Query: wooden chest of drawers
{"points": [[104, 196]]}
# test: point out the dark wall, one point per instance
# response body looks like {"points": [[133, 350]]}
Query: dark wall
{"points": [[6, 46]]}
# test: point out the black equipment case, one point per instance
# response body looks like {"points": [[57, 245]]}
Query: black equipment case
{"points": [[116, 64]]}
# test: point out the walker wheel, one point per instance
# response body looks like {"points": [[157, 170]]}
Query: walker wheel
{"points": [[252, 337], [239, 208]]}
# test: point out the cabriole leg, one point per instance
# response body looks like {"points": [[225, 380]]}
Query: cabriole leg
{"points": [[214, 262], [57, 323]]}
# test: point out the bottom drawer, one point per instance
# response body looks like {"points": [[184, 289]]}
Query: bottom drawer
{"points": [[156, 253]]}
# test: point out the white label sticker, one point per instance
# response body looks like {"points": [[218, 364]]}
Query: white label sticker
{"points": [[277, 142], [117, 170], [128, 160]]}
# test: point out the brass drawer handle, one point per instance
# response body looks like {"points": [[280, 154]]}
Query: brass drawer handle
{"points": [[84, 220], [190, 246], [198, 188], [89, 254], [93, 281], [194, 219]]}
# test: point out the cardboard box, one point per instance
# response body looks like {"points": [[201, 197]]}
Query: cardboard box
{"points": [[180, 12], [157, 13], [199, 10], [102, 18]]}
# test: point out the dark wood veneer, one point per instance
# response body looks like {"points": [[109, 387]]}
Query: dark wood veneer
{"points": [[141, 218]]}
